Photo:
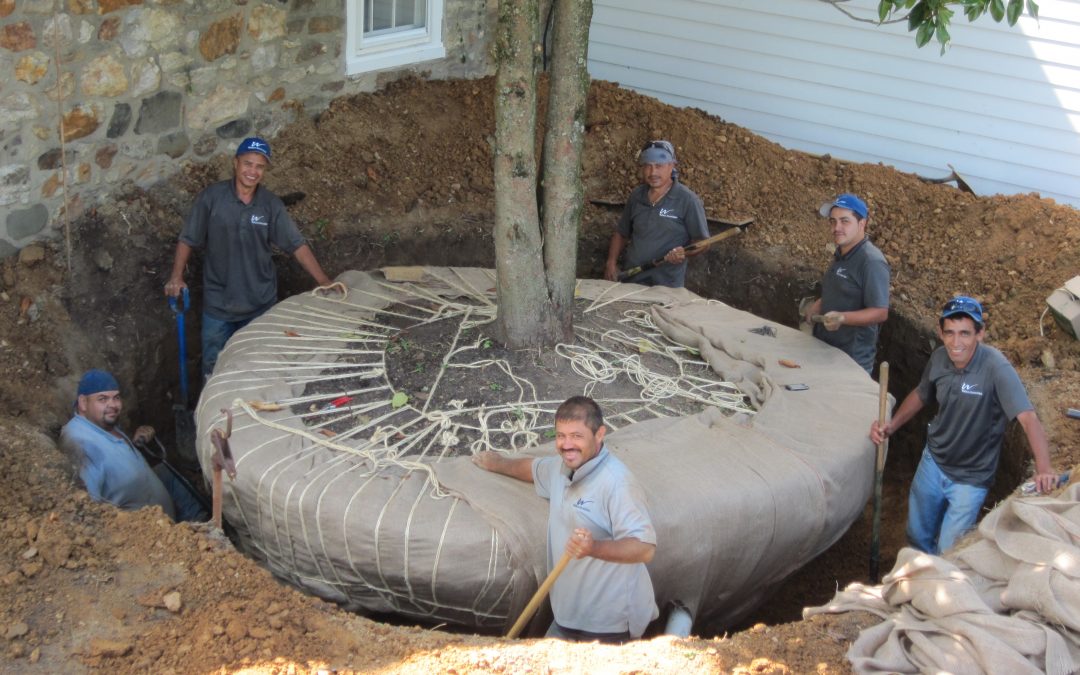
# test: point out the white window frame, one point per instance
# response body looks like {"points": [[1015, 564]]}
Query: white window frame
{"points": [[393, 49]]}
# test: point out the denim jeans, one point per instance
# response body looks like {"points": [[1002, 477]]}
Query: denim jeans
{"points": [[187, 508], [940, 510], [215, 333]]}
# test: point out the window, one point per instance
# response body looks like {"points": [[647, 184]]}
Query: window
{"points": [[390, 33]]}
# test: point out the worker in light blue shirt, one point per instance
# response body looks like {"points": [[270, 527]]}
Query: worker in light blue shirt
{"points": [[107, 461]]}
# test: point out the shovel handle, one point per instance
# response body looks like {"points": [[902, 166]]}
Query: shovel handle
{"points": [[538, 597], [879, 471]]}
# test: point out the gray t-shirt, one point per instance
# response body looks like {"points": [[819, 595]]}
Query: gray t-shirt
{"points": [[595, 595], [855, 281], [239, 279], [676, 220], [974, 405]]}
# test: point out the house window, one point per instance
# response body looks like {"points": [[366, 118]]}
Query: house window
{"points": [[392, 33]]}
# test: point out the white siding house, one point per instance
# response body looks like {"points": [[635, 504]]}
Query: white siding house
{"points": [[1002, 105]]}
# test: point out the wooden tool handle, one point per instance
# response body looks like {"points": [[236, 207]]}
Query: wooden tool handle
{"points": [[538, 597], [883, 410]]}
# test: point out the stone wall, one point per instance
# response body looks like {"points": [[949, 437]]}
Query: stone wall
{"points": [[141, 86]]}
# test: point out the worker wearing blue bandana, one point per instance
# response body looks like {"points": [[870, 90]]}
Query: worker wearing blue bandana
{"points": [[106, 460], [977, 392]]}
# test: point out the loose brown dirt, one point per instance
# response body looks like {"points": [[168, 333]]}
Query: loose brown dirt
{"points": [[403, 176]]}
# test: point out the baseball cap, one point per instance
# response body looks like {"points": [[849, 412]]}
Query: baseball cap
{"points": [[962, 304], [96, 381], [254, 144], [657, 152], [845, 201]]}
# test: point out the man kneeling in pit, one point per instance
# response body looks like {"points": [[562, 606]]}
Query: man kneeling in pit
{"points": [[598, 508]]}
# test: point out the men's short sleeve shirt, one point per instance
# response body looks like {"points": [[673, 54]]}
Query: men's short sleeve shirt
{"points": [[974, 406], [595, 595], [239, 279], [111, 468], [676, 220], [857, 280]]}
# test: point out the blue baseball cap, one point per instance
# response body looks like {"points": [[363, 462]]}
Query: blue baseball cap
{"points": [[964, 305], [96, 381], [254, 144], [657, 152], [845, 201]]}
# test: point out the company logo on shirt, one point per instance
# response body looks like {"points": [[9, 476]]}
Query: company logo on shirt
{"points": [[581, 503], [259, 220], [970, 389], [842, 273], [669, 213]]}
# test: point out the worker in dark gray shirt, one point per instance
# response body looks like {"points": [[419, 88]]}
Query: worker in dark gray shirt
{"points": [[854, 298], [237, 223], [977, 392], [661, 217]]}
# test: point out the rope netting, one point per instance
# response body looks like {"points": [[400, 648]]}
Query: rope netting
{"points": [[336, 352]]}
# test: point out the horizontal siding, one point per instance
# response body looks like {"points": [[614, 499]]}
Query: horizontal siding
{"points": [[1001, 106]]}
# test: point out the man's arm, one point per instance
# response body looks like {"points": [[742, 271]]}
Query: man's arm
{"points": [[515, 467], [1045, 478], [307, 260], [628, 550], [176, 283], [615, 249], [912, 404], [869, 316]]}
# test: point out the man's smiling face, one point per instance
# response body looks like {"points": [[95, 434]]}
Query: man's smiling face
{"points": [[576, 443], [961, 336]]}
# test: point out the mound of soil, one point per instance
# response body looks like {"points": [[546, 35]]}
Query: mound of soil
{"points": [[403, 176]]}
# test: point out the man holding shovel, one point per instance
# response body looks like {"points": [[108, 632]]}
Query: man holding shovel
{"points": [[661, 218], [238, 222], [107, 462], [977, 392], [599, 510]]}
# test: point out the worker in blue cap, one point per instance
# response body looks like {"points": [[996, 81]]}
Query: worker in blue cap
{"points": [[107, 461]]}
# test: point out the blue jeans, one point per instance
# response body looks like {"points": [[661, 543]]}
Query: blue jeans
{"points": [[187, 508], [940, 510], [215, 333]]}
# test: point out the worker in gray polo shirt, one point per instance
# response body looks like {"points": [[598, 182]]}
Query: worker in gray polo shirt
{"points": [[237, 222], [599, 517], [661, 217], [977, 392], [854, 298]]}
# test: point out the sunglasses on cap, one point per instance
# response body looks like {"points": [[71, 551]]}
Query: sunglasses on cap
{"points": [[963, 305], [663, 145]]}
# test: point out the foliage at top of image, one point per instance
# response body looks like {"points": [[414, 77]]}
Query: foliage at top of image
{"points": [[930, 18]]}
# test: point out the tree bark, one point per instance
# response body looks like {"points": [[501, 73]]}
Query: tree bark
{"points": [[536, 267], [564, 141]]}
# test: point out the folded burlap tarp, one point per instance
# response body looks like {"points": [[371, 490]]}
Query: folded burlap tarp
{"points": [[739, 503], [1009, 602]]}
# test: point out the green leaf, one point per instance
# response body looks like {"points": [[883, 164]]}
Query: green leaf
{"points": [[883, 9], [400, 399], [997, 9], [943, 37], [923, 36], [917, 16], [1015, 7], [1032, 9]]}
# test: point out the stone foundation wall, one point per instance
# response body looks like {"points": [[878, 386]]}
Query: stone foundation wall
{"points": [[139, 87]]}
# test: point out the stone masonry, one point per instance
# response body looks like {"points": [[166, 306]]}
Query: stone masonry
{"points": [[103, 91]]}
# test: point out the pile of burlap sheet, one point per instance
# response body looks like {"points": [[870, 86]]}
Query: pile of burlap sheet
{"points": [[1007, 602]]}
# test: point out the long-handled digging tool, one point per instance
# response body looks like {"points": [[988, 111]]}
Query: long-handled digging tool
{"points": [[222, 460], [736, 228], [160, 455], [538, 597], [185, 423], [879, 471]]}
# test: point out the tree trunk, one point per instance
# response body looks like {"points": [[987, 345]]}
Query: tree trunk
{"points": [[536, 269], [526, 316], [564, 141]]}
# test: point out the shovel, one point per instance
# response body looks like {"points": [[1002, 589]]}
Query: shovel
{"points": [[185, 423]]}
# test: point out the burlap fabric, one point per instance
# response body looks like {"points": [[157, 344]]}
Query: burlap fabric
{"points": [[739, 503], [1009, 602]]}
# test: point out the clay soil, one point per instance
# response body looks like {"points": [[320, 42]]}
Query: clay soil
{"points": [[403, 176]]}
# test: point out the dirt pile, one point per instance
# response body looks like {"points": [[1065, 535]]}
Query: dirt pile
{"points": [[403, 177]]}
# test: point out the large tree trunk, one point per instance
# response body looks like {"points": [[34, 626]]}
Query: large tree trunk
{"points": [[564, 194], [536, 268]]}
